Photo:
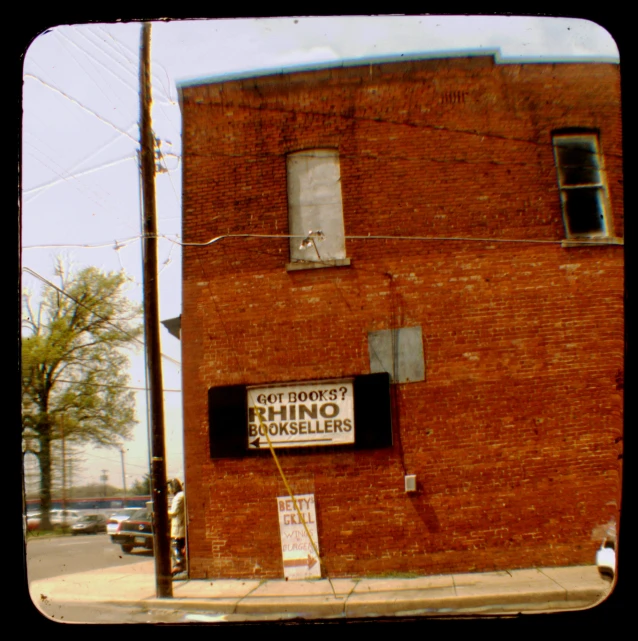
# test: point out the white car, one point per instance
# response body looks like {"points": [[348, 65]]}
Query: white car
{"points": [[606, 558], [57, 517], [64, 517], [116, 518]]}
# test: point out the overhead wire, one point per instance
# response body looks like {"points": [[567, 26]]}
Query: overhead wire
{"points": [[137, 389], [84, 107], [63, 38], [133, 59], [78, 174], [133, 87], [117, 244], [53, 166]]}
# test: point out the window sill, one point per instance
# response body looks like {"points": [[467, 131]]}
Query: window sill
{"points": [[589, 242], [309, 264]]}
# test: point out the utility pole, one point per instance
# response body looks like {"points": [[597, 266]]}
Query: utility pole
{"points": [[63, 475], [123, 478], [163, 578], [104, 478]]}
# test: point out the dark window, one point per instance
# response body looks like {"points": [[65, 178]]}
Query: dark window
{"points": [[580, 180]]}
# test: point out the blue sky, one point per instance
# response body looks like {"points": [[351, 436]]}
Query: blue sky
{"points": [[79, 142]]}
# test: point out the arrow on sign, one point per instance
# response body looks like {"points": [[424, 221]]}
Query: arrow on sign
{"points": [[257, 442], [292, 563]]}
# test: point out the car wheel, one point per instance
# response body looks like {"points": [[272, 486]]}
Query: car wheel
{"points": [[606, 573], [126, 548]]}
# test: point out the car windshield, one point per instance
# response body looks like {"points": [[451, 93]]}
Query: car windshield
{"points": [[88, 517], [141, 515]]}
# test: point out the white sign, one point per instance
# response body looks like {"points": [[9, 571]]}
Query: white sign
{"points": [[298, 553], [301, 414]]}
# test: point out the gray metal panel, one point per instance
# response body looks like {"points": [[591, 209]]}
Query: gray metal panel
{"points": [[380, 350], [399, 352], [410, 350]]}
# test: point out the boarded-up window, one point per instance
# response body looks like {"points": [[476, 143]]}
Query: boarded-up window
{"points": [[581, 182], [314, 207]]}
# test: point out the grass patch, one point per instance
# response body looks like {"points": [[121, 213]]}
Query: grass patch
{"points": [[43, 534]]}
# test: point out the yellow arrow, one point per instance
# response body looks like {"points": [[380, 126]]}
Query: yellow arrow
{"points": [[293, 563]]}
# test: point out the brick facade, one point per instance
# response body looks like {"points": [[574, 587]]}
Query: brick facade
{"points": [[515, 435]]}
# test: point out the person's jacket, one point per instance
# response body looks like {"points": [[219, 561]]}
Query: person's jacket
{"points": [[178, 529]]}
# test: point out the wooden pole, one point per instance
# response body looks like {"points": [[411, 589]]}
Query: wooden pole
{"points": [[164, 580], [63, 475], [123, 478]]}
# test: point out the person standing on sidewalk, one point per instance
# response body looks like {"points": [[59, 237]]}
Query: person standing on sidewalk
{"points": [[178, 527]]}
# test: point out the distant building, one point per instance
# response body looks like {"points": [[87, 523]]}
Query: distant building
{"points": [[418, 291]]}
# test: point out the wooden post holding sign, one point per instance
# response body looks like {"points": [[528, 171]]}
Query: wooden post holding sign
{"points": [[298, 553]]}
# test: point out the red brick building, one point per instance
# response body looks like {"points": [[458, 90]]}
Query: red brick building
{"points": [[455, 270]]}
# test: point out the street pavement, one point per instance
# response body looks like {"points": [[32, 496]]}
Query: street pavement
{"points": [[488, 593]]}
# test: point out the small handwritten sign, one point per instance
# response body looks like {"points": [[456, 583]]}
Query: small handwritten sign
{"points": [[298, 553]]}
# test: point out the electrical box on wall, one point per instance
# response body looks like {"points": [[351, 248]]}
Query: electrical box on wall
{"points": [[410, 483]]}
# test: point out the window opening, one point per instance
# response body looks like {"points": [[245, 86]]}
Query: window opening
{"points": [[582, 189], [315, 208]]}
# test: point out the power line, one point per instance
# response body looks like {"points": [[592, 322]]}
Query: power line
{"points": [[80, 33], [106, 458], [88, 57], [64, 174], [77, 175], [133, 61], [117, 244], [141, 389], [79, 104], [376, 237]]}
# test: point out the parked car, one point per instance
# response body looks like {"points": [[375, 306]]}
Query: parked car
{"points": [[33, 521], [117, 517], [61, 517], [57, 517], [89, 524], [606, 558], [135, 532]]}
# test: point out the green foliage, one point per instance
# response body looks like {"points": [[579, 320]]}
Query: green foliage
{"points": [[143, 487], [74, 369]]}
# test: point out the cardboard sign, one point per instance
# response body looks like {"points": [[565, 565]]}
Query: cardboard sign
{"points": [[298, 553], [301, 415]]}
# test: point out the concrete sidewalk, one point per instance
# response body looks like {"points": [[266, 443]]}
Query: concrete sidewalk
{"points": [[508, 592]]}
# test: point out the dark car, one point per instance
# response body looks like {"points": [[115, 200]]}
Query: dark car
{"points": [[135, 532], [89, 524]]}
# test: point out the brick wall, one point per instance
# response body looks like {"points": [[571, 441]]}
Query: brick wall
{"points": [[515, 434]]}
